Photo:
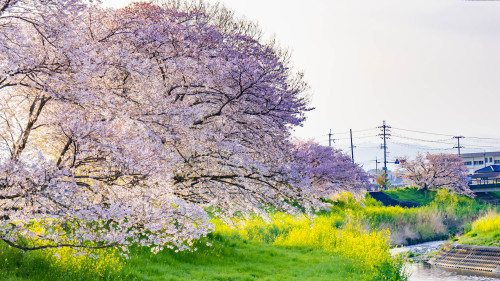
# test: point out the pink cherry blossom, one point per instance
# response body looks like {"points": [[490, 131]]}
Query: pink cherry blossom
{"points": [[436, 171], [121, 126]]}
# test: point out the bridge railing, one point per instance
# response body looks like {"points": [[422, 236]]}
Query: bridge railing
{"points": [[483, 181]]}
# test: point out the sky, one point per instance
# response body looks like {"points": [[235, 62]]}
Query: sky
{"points": [[427, 66]]}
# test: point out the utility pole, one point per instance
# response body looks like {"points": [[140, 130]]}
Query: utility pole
{"points": [[352, 147], [458, 143], [330, 138], [376, 164], [385, 134]]}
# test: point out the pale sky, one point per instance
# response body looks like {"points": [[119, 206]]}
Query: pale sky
{"points": [[427, 65]]}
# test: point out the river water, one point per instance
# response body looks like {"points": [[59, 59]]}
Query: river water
{"points": [[421, 271]]}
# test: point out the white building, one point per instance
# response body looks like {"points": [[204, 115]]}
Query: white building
{"points": [[476, 161]]}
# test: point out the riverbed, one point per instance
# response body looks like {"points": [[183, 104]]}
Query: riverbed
{"points": [[419, 249]]}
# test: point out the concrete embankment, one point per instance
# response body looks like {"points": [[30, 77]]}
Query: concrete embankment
{"points": [[466, 257]]}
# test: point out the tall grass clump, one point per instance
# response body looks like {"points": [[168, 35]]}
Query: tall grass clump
{"points": [[485, 231], [407, 225], [490, 222]]}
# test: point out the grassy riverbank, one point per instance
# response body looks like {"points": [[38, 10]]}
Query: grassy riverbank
{"points": [[443, 217], [350, 242], [483, 232], [473, 222], [332, 246], [230, 259]]}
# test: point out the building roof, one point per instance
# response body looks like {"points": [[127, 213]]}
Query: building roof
{"points": [[480, 154], [489, 169], [487, 175]]}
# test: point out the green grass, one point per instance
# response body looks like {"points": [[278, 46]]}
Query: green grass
{"points": [[483, 232], [491, 238], [412, 194], [289, 248], [237, 259], [44, 266], [228, 259], [496, 194]]}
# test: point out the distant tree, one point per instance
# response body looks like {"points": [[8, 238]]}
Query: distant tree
{"points": [[436, 171], [381, 179], [329, 170]]}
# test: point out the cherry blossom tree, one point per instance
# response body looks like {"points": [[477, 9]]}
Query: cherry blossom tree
{"points": [[329, 170], [119, 127], [436, 171]]}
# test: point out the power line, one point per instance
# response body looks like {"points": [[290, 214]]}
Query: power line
{"points": [[364, 130], [407, 141], [469, 140], [446, 135], [433, 141], [366, 147], [423, 147], [356, 131], [354, 137], [415, 131], [422, 132], [483, 146], [483, 138]]}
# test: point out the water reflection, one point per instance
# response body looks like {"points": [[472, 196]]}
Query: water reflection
{"points": [[424, 271]]}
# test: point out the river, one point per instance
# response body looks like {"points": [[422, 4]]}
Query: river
{"points": [[422, 271]]}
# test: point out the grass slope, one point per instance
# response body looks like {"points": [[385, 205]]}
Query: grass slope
{"points": [[496, 194], [241, 260], [232, 259], [484, 232], [412, 194]]}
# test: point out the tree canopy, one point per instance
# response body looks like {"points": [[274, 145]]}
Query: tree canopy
{"points": [[120, 126], [437, 171], [329, 170]]}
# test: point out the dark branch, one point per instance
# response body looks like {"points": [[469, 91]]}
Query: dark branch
{"points": [[57, 246]]}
